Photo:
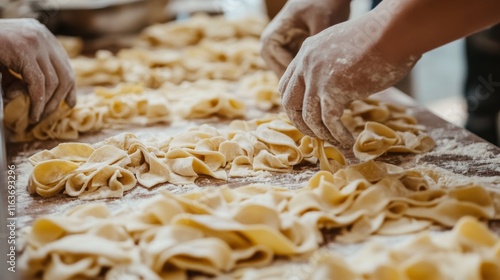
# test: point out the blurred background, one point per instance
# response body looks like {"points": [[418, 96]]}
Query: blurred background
{"points": [[436, 82]]}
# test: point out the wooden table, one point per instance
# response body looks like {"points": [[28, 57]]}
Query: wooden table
{"points": [[460, 157]]}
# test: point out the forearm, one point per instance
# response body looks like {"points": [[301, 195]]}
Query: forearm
{"points": [[414, 27]]}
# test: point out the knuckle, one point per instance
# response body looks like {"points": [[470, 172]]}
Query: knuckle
{"points": [[52, 82], [35, 78], [32, 31]]}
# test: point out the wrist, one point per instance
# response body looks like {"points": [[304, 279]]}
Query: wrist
{"points": [[394, 41]]}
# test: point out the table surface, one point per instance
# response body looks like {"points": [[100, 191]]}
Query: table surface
{"points": [[460, 158]]}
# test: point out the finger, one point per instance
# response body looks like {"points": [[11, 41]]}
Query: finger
{"points": [[312, 115], [35, 81], [51, 79], [281, 54], [296, 117], [65, 87], [285, 79], [65, 73], [276, 57], [71, 97], [332, 119], [295, 39], [292, 101], [291, 89]]}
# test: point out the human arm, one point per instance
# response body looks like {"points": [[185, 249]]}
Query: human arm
{"points": [[355, 59], [29, 49], [419, 26]]}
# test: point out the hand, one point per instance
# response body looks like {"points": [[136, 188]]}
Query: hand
{"points": [[28, 48], [339, 65], [298, 20]]}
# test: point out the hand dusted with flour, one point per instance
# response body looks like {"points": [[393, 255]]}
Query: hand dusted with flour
{"points": [[354, 59], [332, 69], [29, 49]]}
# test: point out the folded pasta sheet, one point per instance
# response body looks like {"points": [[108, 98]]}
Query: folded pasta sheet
{"points": [[228, 61], [179, 34], [202, 47], [110, 168], [384, 128], [126, 104], [221, 230]]}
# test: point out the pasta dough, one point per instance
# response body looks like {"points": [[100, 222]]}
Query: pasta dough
{"points": [[469, 251], [130, 104], [229, 60], [250, 226], [202, 47], [179, 34], [113, 167], [384, 128]]}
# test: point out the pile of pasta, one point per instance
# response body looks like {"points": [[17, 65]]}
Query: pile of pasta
{"points": [[110, 168], [469, 251], [201, 48], [219, 230], [384, 128], [200, 27], [228, 60], [125, 104]]}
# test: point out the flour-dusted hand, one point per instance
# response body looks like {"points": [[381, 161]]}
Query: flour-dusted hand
{"points": [[28, 48], [341, 64], [298, 20]]}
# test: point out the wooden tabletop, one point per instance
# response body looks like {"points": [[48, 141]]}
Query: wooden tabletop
{"points": [[460, 158]]}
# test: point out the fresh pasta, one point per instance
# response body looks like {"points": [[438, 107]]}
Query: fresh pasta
{"points": [[228, 61], [469, 251], [250, 226], [384, 128], [200, 27], [262, 87], [127, 104], [115, 166], [202, 47]]}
